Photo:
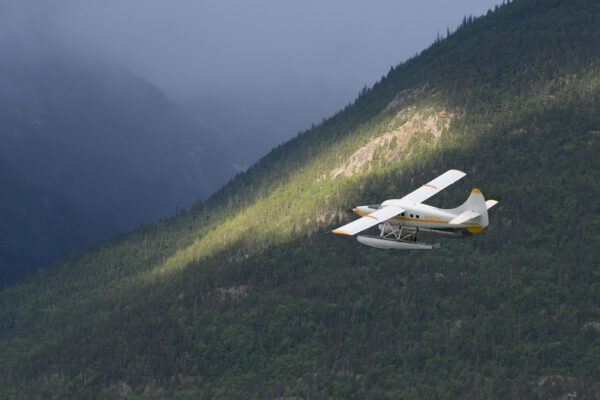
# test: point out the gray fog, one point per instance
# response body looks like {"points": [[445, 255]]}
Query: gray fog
{"points": [[252, 72]]}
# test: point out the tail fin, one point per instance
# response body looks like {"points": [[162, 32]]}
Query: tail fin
{"points": [[476, 203]]}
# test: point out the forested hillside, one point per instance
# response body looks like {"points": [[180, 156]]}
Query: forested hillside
{"points": [[249, 295]]}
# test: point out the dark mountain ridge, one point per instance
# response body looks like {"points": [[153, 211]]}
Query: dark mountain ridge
{"points": [[96, 123], [250, 295], [34, 222], [111, 146]]}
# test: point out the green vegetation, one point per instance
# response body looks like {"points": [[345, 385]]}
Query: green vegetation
{"points": [[248, 295]]}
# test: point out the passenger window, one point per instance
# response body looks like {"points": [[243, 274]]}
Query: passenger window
{"points": [[411, 215]]}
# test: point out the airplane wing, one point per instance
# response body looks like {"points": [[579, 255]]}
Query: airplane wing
{"points": [[435, 186], [463, 217], [370, 220]]}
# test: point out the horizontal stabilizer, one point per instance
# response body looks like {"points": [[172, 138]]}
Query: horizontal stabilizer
{"points": [[435, 186], [490, 203], [370, 220], [463, 217]]}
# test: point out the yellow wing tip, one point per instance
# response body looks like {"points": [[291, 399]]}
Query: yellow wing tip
{"points": [[476, 191], [476, 230], [341, 232], [458, 171]]}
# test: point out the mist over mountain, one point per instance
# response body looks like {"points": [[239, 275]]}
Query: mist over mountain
{"points": [[109, 144], [259, 72]]}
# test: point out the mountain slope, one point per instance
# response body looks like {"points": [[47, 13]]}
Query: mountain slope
{"points": [[250, 295]]}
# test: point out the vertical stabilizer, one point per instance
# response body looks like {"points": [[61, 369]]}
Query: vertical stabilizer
{"points": [[475, 203]]}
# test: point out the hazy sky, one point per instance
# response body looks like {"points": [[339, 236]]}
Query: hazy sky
{"points": [[275, 65]]}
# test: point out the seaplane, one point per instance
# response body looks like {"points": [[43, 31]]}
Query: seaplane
{"points": [[402, 222]]}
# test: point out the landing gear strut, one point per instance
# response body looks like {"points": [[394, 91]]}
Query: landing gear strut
{"points": [[395, 232]]}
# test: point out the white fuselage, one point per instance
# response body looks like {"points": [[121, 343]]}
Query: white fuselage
{"points": [[420, 215]]}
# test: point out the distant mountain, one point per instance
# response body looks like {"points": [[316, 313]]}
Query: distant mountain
{"points": [[36, 227], [250, 295], [112, 146], [106, 140]]}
